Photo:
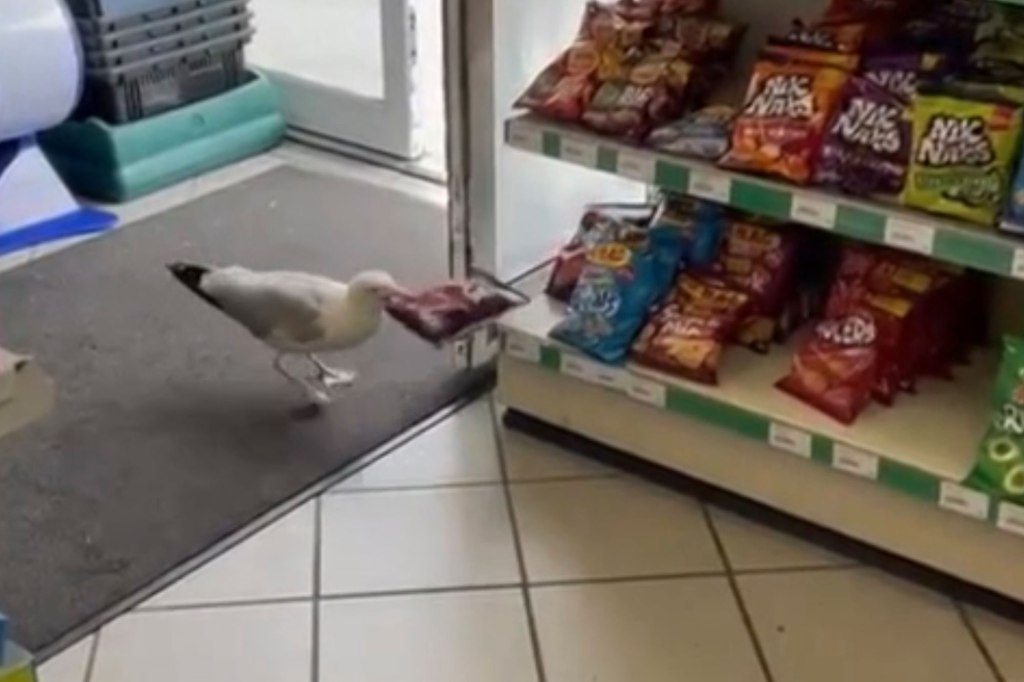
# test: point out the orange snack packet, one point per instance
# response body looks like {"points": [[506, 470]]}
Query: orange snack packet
{"points": [[787, 108]]}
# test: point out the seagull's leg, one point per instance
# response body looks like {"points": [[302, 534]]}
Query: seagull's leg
{"points": [[314, 394], [331, 377]]}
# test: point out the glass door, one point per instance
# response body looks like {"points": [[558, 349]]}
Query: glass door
{"points": [[345, 68]]}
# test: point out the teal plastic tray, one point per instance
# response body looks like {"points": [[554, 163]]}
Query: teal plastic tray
{"points": [[118, 163]]}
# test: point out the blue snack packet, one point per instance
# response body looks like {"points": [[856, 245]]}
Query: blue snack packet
{"points": [[1013, 214], [621, 281], [700, 223]]}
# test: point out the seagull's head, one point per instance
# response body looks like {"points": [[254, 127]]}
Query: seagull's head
{"points": [[378, 284]]}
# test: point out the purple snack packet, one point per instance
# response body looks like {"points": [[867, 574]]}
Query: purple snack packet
{"points": [[899, 72], [866, 149]]}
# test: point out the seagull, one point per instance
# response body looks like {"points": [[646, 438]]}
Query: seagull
{"points": [[295, 313]]}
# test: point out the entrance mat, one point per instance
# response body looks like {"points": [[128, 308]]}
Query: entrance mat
{"points": [[171, 428]]}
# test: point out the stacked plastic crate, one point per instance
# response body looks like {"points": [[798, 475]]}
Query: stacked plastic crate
{"points": [[144, 57]]}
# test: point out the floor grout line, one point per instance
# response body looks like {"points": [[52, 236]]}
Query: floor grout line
{"points": [[235, 604], [741, 605], [94, 649], [419, 591], [471, 484], [990, 661], [531, 620], [318, 524]]}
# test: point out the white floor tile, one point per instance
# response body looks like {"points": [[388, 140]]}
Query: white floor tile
{"points": [[444, 537], [651, 631], [752, 546], [528, 459], [275, 563], [461, 449], [70, 665], [1003, 639], [454, 637], [858, 625], [250, 643], [610, 528]]}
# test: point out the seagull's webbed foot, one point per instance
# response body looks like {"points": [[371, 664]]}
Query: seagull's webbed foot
{"points": [[331, 377], [315, 394]]}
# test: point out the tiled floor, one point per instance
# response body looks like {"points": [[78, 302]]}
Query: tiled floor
{"points": [[475, 555]]}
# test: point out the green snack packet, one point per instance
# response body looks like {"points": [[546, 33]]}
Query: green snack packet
{"points": [[1000, 466], [963, 154]]}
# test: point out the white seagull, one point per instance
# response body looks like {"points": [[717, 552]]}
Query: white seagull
{"points": [[296, 313]]}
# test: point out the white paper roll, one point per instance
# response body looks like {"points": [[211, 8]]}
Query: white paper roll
{"points": [[41, 68]]}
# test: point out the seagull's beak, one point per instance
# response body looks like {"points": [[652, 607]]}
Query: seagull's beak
{"points": [[391, 292]]}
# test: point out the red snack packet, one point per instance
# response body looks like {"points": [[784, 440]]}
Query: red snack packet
{"points": [[779, 130], [451, 311], [600, 222], [835, 369], [758, 260], [649, 93], [688, 335], [563, 89]]}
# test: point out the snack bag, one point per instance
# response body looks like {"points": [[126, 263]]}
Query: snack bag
{"points": [[600, 222], [451, 311], [688, 335], [758, 260], [899, 73], [703, 134], [846, 38], [962, 155], [622, 280], [565, 87], [1000, 466], [700, 223], [1013, 218], [834, 370], [649, 93], [779, 129], [866, 149], [703, 39], [784, 52]]}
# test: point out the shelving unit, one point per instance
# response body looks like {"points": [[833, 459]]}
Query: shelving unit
{"points": [[892, 480]]}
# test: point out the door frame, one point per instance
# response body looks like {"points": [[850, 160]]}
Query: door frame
{"points": [[388, 125]]}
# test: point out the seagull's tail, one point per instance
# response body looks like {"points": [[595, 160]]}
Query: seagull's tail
{"points": [[191, 276]]}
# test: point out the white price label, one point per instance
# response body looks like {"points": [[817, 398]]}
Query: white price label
{"points": [[812, 211], [594, 373], [522, 347], [1018, 264], [529, 139], [710, 185], [854, 461], [647, 391], [1011, 518], [580, 152], [910, 235], [787, 438], [963, 501], [637, 166]]}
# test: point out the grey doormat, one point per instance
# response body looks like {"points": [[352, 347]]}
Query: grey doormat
{"points": [[171, 428]]}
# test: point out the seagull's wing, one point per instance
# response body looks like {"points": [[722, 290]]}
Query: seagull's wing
{"points": [[279, 304]]}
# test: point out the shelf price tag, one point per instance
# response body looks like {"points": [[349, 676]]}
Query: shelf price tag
{"points": [[522, 347], [580, 152], [637, 165], [910, 235], [963, 501], [711, 185], [525, 137], [647, 391], [1011, 518], [782, 437], [1018, 264], [854, 461], [810, 210], [594, 373]]}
